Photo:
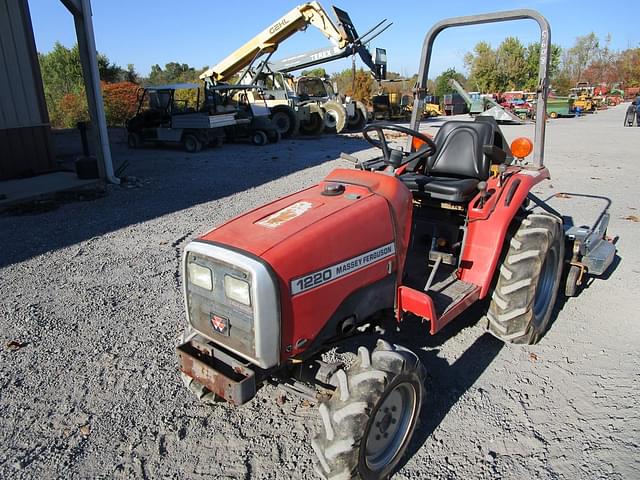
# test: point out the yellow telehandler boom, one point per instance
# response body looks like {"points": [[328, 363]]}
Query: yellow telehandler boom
{"points": [[299, 18]]}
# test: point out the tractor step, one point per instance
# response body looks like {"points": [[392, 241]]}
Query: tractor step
{"points": [[445, 300], [448, 292]]}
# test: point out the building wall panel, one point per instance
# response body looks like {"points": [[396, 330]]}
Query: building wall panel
{"points": [[26, 146]]}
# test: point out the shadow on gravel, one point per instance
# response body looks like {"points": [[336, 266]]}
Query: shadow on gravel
{"points": [[167, 181], [446, 383]]}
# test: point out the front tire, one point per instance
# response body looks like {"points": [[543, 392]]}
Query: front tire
{"points": [[286, 120], [370, 419], [314, 126], [259, 138], [335, 116], [358, 121], [528, 281]]}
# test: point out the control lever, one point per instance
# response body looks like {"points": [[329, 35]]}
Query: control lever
{"points": [[482, 186], [432, 275], [502, 169]]}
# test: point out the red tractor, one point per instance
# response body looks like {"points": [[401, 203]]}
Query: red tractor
{"points": [[425, 231]]}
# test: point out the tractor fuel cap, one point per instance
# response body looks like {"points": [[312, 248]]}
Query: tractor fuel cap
{"points": [[332, 189]]}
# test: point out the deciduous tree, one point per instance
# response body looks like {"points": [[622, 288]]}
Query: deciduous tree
{"points": [[482, 67], [442, 82]]}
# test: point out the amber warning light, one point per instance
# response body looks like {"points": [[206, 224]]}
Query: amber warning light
{"points": [[521, 147], [416, 143]]}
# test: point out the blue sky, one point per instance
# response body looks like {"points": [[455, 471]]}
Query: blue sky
{"points": [[145, 32]]}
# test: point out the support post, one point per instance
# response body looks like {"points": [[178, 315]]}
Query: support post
{"points": [[81, 10]]}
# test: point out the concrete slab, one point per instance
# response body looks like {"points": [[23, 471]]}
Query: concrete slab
{"points": [[28, 189]]}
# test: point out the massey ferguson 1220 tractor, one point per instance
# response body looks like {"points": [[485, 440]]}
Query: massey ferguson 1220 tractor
{"points": [[424, 231]]}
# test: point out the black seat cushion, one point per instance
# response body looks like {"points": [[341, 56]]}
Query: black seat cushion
{"points": [[460, 150], [459, 164], [442, 188]]}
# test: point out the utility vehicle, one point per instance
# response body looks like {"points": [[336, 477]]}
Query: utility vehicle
{"points": [[170, 114], [253, 117], [424, 231]]}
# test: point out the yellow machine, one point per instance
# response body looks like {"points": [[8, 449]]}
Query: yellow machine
{"points": [[267, 41], [288, 112], [432, 110], [582, 96]]}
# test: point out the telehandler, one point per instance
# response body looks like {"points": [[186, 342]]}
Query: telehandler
{"points": [[251, 63], [425, 231]]}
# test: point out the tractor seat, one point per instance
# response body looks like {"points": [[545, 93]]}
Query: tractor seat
{"points": [[456, 190], [459, 164]]}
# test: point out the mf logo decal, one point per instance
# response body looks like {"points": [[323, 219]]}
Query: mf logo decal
{"points": [[315, 279], [219, 324]]}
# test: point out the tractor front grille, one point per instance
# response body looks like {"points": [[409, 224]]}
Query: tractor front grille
{"points": [[225, 321]]}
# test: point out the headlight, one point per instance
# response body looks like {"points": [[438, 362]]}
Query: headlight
{"points": [[200, 276], [237, 290]]}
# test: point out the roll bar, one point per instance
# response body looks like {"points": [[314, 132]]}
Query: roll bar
{"points": [[543, 66]]}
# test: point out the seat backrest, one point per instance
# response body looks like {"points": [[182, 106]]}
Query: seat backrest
{"points": [[460, 152]]}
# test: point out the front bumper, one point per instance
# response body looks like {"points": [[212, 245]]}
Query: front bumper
{"points": [[218, 371]]}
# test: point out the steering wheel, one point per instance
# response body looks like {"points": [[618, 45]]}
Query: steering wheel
{"points": [[383, 145]]}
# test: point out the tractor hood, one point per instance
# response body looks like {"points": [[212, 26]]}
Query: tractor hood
{"points": [[346, 212], [272, 225], [347, 234]]}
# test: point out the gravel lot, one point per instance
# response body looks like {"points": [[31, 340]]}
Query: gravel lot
{"points": [[90, 288]]}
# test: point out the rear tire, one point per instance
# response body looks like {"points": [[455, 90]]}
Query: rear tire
{"points": [[191, 143], [134, 140], [274, 137], [217, 142], [370, 419], [286, 120], [553, 115], [528, 281]]}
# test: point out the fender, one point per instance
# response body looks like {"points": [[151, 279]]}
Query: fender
{"points": [[488, 224]]}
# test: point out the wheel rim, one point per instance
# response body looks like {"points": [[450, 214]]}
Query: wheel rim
{"points": [[544, 288], [260, 138], [190, 143], [390, 426], [331, 119]]}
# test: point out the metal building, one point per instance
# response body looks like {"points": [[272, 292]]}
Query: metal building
{"points": [[26, 146], [25, 134]]}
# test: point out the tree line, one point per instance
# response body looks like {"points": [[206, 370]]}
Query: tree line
{"points": [[65, 93], [509, 66], [514, 66]]}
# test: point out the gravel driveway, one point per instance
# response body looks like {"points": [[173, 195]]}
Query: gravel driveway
{"points": [[90, 291]]}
